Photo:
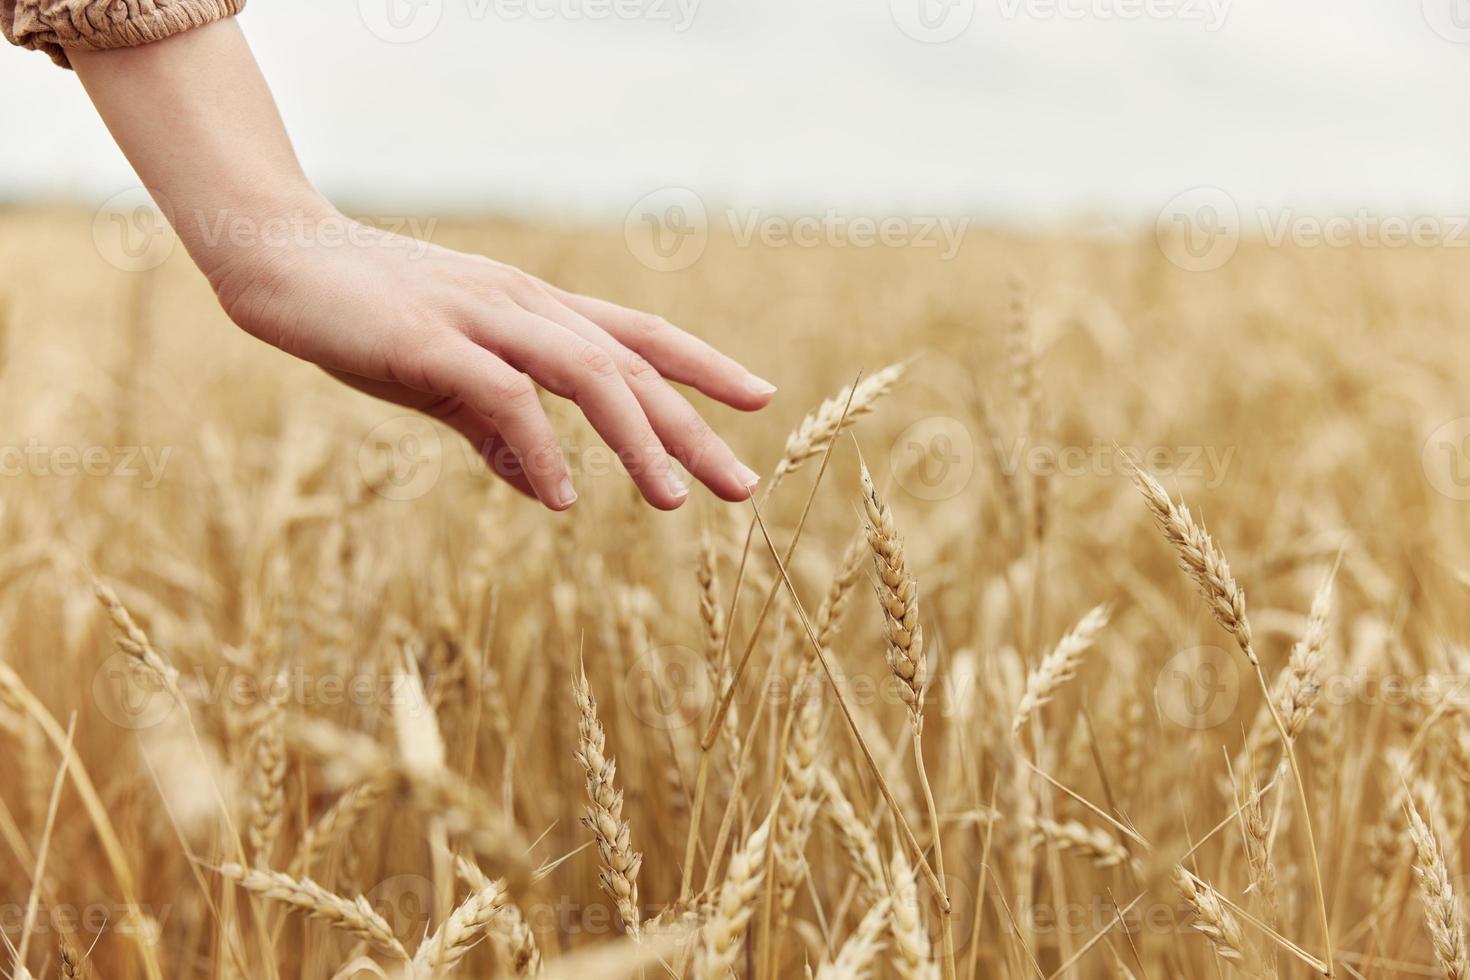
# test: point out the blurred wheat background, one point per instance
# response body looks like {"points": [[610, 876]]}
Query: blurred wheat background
{"points": [[348, 706]]}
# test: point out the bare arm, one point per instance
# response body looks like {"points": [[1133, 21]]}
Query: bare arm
{"points": [[459, 337]]}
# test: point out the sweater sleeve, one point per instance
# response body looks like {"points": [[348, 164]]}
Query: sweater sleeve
{"points": [[54, 26]]}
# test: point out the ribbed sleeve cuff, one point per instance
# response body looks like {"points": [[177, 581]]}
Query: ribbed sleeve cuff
{"points": [[56, 26]]}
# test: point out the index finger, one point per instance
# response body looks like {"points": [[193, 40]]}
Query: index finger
{"points": [[675, 354]]}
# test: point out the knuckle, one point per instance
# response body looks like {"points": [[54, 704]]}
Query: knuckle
{"points": [[516, 393], [415, 351], [650, 326], [496, 283], [636, 366], [697, 432], [597, 362], [514, 281]]}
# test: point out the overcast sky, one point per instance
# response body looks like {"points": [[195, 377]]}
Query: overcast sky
{"points": [[1016, 109]]}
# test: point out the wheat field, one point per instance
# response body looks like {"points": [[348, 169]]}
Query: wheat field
{"points": [[291, 688]]}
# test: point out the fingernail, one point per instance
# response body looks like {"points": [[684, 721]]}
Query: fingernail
{"points": [[676, 485], [758, 386], [747, 476], [565, 493]]}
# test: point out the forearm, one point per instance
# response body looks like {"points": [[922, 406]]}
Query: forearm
{"points": [[453, 335], [197, 121]]}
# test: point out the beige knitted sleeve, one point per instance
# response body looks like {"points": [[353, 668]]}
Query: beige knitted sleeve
{"points": [[53, 26]]}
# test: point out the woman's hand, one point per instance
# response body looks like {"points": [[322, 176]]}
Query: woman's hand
{"points": [[462, 338], [457, 336]]}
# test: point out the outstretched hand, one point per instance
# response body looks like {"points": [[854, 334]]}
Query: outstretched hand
{"points": [[468, 340]]}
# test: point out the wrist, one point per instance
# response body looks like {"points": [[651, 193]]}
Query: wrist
{"points": [[251, 231]]}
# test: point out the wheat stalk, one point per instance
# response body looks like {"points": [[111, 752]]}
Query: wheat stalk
{"points": [[799, 802], [856, 837], [353, 916], [826, 422], [515, 944], [1301, 684], [1204, 562], [854, 960], [133, 642], [1256, 832], [1212, 918], [1437, 894], [1090, 843], [1299, 687], [416, 727], [913, 959], [604, 816], [835, 602], [711, 610], [267, 780], [898, 595], [1059, 665], [719, 942], [335, 823], [458, 934], [74, 966]]}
